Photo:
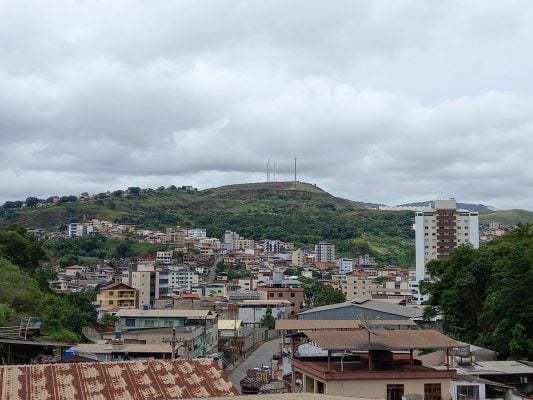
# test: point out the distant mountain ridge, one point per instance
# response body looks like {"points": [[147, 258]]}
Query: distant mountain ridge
{"points": [[481, 208]]}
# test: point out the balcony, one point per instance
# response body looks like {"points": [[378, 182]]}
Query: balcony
{"points": [[358, 370]]}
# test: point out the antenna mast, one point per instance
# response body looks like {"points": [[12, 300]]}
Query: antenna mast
{"points": [[295, 172]]}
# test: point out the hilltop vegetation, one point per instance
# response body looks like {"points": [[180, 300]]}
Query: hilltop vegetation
{"points": [[507, 217], [303, 214]]}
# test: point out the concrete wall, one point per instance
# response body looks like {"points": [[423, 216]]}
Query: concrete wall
{"points": [[375, 389]]}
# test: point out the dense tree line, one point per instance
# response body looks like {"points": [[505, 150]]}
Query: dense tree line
{"points": [[24, 289], [485, 294]]}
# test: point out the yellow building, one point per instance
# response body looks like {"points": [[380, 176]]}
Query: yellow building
{"points": [[118, 294]]}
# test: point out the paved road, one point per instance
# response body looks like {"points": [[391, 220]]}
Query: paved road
{"points": [[262, 356]]}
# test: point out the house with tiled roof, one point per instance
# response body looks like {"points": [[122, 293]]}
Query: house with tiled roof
{"points": [[118, 294], [134, 380]]}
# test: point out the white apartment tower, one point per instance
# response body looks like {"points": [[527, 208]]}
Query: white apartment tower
{"points": [[324, 251], [440, 230]]}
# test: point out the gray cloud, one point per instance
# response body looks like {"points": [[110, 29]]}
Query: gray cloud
{"points": [[380, 101]]}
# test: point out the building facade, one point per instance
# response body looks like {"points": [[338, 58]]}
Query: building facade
{"points": [[324, 252], [440, 230]]}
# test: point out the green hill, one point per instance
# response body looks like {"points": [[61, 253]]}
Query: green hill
{"points": [[507, 217], [303, 214]]}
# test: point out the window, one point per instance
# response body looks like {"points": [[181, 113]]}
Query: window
{"points": [[110, 302], [111, 293], [432, 391], [169, 323], [129, 322], [292, 294], [280, 294], [467, 392], [149, 324], [271, 294], [394, 392]]}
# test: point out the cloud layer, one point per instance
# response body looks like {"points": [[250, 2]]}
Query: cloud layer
{"points": [[383, 102]]}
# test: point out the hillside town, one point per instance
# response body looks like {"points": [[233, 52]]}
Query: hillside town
{"points": [[221, 299]]}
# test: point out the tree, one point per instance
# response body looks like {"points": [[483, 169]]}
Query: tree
{"points": [[317, 294], [7, 314], [268, 320], [124, 249], [109, 319], [134, 190], [32, 201], [68, 260], [485, 293], [21, 248]]}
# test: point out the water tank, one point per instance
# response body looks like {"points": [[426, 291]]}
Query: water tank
{"points": [[69, 353], [146, 306]]}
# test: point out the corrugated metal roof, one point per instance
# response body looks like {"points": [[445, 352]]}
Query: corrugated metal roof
{"points": [[136, 313], [317, 324], [309, 324], [265, 302], [131, 380], [97, 348], [374, 305], [381, 340]]}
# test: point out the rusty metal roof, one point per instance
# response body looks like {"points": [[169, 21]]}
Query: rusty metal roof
{"points": [[381, 340], [130, 380], [335, 324]]}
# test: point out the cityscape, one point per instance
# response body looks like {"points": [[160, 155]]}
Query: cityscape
{"points": [[301, 200]]}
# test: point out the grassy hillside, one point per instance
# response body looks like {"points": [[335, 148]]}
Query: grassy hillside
{"points": [[507, 217], [304, 214]]}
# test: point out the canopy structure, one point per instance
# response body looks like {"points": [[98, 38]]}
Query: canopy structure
{"points": [[391, 340]]}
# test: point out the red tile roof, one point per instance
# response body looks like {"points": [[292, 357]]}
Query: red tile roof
{"points": [[135, 380]]}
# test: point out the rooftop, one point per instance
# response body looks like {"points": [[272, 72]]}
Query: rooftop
{"points": [[374, 305], [336, 324], [193, 314], [136, 380], [381, 340]]}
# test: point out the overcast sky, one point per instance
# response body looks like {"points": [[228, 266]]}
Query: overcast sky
{"points": [[381, 101]]}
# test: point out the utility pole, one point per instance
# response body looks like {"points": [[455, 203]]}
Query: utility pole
{"points": [[295, 172], [173, 343]]}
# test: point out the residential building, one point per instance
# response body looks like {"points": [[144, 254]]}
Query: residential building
{"points": [[196, 233], [252, 311], [243, 244], [324, 252], [371, 366], [354, 286], [164, 257], [440, 230], [79, 230], [272, 246], [344, 265], [117, 294], [133, 319], [181, 278], [298, 258], [280, 288], [145, 278]]}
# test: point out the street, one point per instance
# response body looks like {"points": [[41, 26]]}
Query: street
{"points": [[262, 356]]}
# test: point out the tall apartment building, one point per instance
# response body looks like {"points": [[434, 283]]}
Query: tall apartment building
{"points": [[440, 230], [196, 233], [272, 246], [145, 278], [324, 252]]}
